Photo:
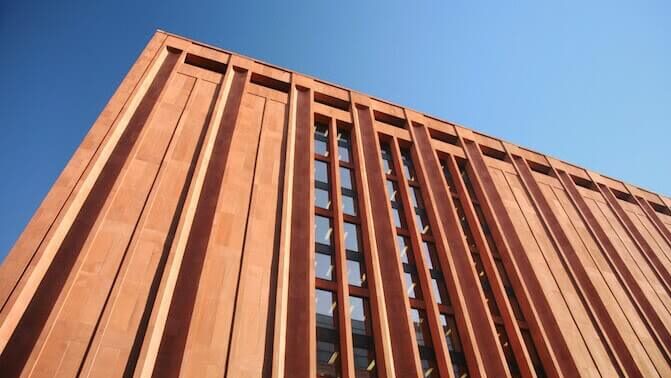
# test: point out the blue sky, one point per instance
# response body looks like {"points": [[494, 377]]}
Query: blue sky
{"points": [[585, 81]]}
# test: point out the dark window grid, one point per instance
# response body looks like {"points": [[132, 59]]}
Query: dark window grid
{"points": [[422, 222], [449, 178], [413, 285], [426, 353], [348, 192], [395, 204], [324, 248], [533, 354], [354, 256], [322, 185], [409, 268], [387, 156], [486, 286], [323, 158], [466, 180], [507, 350], [481, 218], [344, 142], [408, 165], [405, 201], [362, 341], [327, 334], [436, 274], [397, 213]]}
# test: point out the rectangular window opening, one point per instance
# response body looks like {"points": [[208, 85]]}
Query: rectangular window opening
{"points": [[540, 168], [389, 119], [331, 101], [205, 63], [493, 153], [269, 82], [444, 137]]}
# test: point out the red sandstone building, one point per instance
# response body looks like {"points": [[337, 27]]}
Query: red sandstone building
{"points": [[225, 217]]}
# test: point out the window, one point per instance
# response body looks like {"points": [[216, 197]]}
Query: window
{"points": [[533, 354], [348, 191], [412, 285], [344, 147], [324, 266], [507, 351], [408, 168], [517, 310], [454, 346], [321, 171], [403, 248], [424, 344], [321, 139], [349, 205], [364, 353], [429, 252], [323, 232], [387, 160], [486, 287], [356, 273], [328, 354], [396, 211], [448, 176], [440, 291], [322, 189]]}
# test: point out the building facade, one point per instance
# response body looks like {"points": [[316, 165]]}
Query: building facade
{"points": [[226, 217]]}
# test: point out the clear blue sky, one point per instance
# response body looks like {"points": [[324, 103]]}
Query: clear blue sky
{"points": [[585, 81]]}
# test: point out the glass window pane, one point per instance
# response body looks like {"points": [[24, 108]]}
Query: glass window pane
{"points": [[326, 305], [416, 197], [321, 139], [398, 218], [423, 224], [364, 363], [391, 190], [323, 230], [344, 148], [324, 266], [348, 205], [356, 275], [408, 169], [507, 350], [352, 237], [451, 334], [533, 354], [429, 252], [328, 359], [387, 164], [440, 292], [358, 314], [364, 359], [403, 248], [322, 198], [321, 171], [422, 332], [412, 285], [346, 181]]}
